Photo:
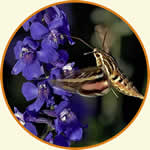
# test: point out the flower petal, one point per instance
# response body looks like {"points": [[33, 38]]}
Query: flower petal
{"points": [[19, 115], [56, 23], [63, 58], [50, 102], [48, 55], [38, 30], [71, 42], [31, 128], [29, 90], [65, 31], [32, 71], [64, 54], [48, 43], [51, 13], [56, 73], [58, 127], [31, 43], [61, 107], [50, 113], [18, 67], [61, 140], [61, 92], [30, 116], [49, 137], [36, 106], [18, 49], [26, 26], [57, 10], [76, 134]]}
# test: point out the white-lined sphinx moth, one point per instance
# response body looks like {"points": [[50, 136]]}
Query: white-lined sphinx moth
{"points": [[96, 81], [87, 82]]}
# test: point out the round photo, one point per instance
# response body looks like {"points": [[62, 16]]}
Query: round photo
{"points": [[74, 75]]}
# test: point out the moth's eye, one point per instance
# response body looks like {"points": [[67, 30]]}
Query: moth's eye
{"points": [[97, 55], [120, 80]]}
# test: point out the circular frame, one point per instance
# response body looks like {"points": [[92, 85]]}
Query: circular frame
{"points": [[146, 57]]}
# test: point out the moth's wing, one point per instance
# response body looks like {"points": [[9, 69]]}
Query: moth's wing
{"points": [[75, 78], [95, 88], [105, 36], [88, 82]]}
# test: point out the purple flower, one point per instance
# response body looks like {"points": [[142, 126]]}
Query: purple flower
{"points": [[35, 117], [22, 119], [49, 137], [53, 57], [56, 73], [41, 92], [37, 17], [59, 22], [38, 56], [57, 27], [61, 140], [48, 55], [51, 14], [63, 58], [29, 58], [27, 61], [29, 117], [64, 94], [50, 38], [67, 122], [57, 140]]}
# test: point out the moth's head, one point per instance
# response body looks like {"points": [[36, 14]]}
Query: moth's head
{"points": [[97, 53]]}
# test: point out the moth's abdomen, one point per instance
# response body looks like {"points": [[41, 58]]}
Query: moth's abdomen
{"points": [[123, 85]]}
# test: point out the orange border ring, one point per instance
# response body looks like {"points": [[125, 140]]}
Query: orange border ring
{"points": [[92, 3]]}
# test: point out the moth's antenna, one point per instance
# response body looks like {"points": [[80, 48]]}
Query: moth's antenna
{"points": [[88, 53], [79, 39], [114, 93], [104, 40]]}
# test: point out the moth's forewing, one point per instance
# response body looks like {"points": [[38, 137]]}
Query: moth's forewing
{"points": [[105, 37], [88, 82]]}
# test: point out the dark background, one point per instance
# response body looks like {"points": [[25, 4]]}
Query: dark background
{"points": [[107, 115]]}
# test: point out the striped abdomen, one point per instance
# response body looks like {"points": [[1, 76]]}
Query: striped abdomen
{"points": [[122, 84], [117, 79]]}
